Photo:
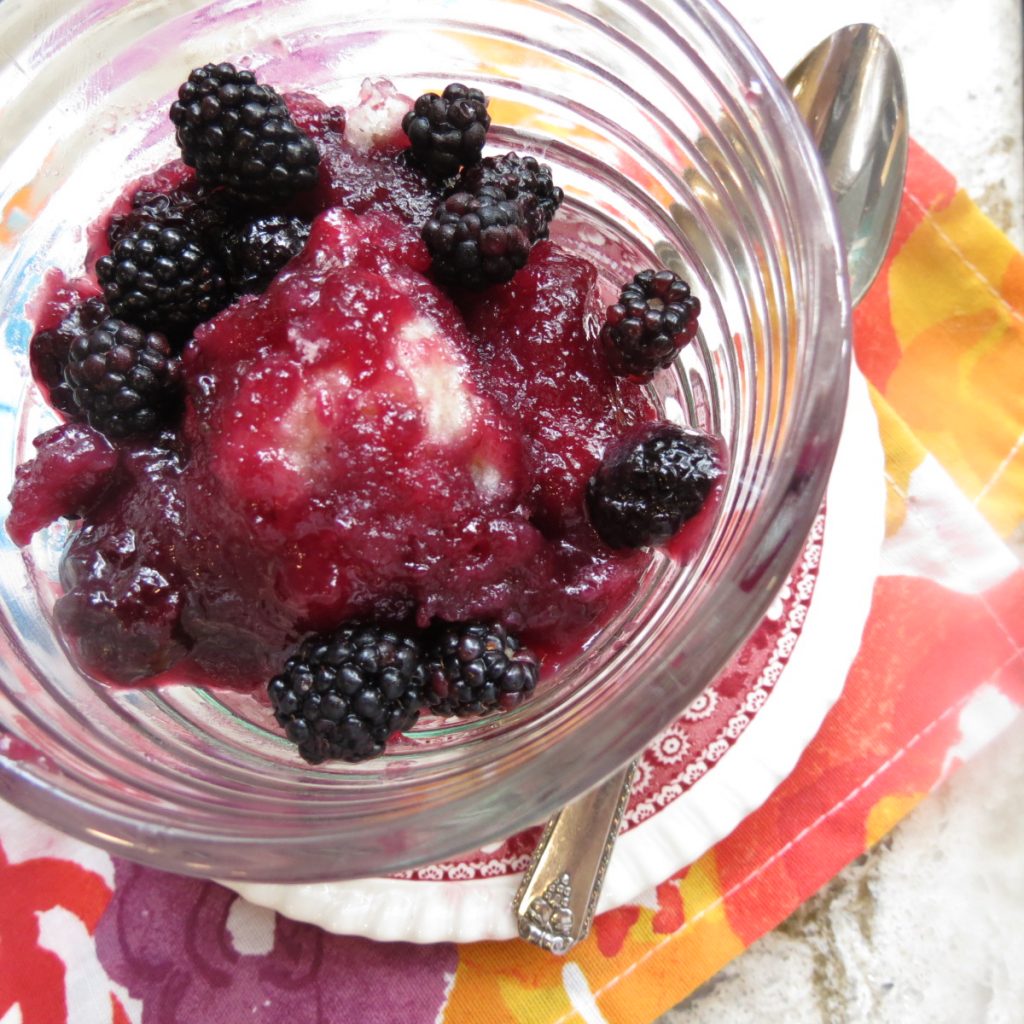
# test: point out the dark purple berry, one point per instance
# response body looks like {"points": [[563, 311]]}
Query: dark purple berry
{"points": [[654, 318], [48, 353], [343, 694], [447, 132], [522, 180], [650, 483], [474, 669], [200, 212], [161, 276], [476, 240], [256, 250], [238, 133], [124, 380]]}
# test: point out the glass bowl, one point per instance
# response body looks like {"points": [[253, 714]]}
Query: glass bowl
{"points": [[676, 144]]}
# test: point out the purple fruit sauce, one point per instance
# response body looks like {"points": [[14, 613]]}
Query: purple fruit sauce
{"points": [[355, 444]]}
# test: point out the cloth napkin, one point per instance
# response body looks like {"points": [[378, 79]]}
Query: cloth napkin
{"points": [[88, 938]]}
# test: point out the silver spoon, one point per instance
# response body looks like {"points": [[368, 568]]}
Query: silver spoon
{"points": [[850, 91]]}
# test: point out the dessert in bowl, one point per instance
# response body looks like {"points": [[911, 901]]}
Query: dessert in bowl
{"points": [[694, 172]]}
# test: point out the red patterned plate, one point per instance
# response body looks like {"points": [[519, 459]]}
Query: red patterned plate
{"points": [[705, 773]]}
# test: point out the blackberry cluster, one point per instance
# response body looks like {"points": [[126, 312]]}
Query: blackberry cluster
{"points": [[477, 240], [342, 695], [654, 318], [123, 379], [49, 350], [257, 249], [447, 132], [481, 232], [519, 179], [476, 668], [161, 276], [238, 133], [650, 484]]}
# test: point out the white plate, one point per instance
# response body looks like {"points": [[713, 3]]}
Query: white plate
{"points": [[704, 774]]}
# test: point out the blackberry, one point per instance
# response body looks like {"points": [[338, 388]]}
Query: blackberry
{"points": [[476, 668], [238, 133], [124, 380], [48, 352], [476, 240], [159, 275], [447, 132], [255, 251], [343, 694], [522, 180], [654, 318], [649, 484], [198, 211]]}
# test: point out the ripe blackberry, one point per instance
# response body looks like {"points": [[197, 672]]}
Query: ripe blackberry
{"points": [[654, 318], [649, 484], [343, 694], [124, 380], [161, 276], [195, 209], [447, 131], [476, 668], [476, 240], [238, 133], [255, 251], [522, 180], [48, 352]]}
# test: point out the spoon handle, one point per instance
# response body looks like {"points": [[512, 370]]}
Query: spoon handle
{"points": [[555, 904]]}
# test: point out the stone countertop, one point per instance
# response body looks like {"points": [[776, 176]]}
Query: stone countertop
{"points": [[929, 927]]}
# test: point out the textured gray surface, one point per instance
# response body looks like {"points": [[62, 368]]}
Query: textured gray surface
{"points": [[929, 927]]}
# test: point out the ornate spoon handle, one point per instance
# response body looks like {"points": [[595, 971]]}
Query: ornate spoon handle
{"points": [[555, 904]]}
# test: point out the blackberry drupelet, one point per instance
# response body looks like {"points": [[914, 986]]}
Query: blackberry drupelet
{"points": [[650, 483], [476, 668], [447, 132], [476, 240], [49, 350], [124, 380], [343, 694], [238, 133], [522, 180], [654, 318], [256, 250], [161, 276]]}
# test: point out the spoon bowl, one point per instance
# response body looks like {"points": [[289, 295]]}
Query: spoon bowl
{"points": [[851, 94]]}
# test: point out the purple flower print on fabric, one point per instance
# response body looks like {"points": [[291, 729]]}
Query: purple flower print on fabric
{"points": [[193, 954]]}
